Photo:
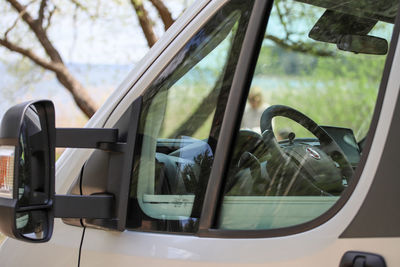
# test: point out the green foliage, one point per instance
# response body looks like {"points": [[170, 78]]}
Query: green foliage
{"points": [[183, 100], [338, 91]]}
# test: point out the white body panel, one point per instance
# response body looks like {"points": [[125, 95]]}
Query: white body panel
{"points": [[64, 245], [317, 247]]}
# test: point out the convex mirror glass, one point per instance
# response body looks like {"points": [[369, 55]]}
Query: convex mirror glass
{"points": [[27, 138]]}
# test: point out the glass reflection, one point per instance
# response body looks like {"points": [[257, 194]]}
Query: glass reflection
{"points": [[32, 224], [31, 167]]}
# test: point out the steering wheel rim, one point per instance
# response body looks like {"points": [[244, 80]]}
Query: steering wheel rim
{"points": [[328, 145]]}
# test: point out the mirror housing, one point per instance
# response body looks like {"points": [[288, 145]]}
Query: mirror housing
{"points": [[365, 44], [28, 203], [27, 174]]}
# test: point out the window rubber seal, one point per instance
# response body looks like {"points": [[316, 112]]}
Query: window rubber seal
{"points": [[240, 87]]}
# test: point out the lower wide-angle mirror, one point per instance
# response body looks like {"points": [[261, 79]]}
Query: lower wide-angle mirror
{"points": [[27, 145]]}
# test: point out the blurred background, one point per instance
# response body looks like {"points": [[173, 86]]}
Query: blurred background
{"points": [[75, 52]]}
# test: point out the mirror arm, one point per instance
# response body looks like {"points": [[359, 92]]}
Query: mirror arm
{"points": [[100, 138], [90, 207]]}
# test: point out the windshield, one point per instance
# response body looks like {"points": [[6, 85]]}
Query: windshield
{"points": [[324, 59]]}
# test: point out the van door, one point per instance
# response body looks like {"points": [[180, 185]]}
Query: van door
{"points": [[267, 144]]}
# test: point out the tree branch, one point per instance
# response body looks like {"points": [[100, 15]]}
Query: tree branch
{"points": [[84, 8], [17, 19], [79, 4], [50, 16], [42, 8], [300, 47], [38, 31], [81, 97], [145, 22], [282, 20], [55, 64], [164, 13], [12, 26], [31, 55]]}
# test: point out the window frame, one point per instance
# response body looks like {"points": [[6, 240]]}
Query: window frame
{"points": [[137, 149], [231, 123]]}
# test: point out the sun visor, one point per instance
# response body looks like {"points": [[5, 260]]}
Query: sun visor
{"points": [[332, 25]]}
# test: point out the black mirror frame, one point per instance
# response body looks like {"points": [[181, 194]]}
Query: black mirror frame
{"points": [[107, 208], [10, 132]]}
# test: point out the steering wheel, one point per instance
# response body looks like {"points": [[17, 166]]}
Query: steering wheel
{"points": [[249, 149], [326, 159]]}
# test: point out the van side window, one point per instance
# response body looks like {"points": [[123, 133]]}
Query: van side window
{"points": [[308, 112], [180, 123]]}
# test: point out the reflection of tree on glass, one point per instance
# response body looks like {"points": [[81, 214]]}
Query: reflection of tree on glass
{"points": [[317, 70], [180, 122]]}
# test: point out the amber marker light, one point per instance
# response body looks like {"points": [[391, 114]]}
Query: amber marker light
{"points": [[6, 171]]}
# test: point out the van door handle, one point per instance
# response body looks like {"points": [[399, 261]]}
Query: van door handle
{"points": [[362, 259]]}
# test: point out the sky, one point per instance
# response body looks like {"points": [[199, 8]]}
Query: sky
{"points": [[99, 52], [116, 38]]}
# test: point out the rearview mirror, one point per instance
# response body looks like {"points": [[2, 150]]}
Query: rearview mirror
{"points": [[364, 44]]}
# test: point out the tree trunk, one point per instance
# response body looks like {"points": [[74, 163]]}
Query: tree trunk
{"points": [[55, 64], [145, 22], [200, 115], [79, 93], [164, 13]]}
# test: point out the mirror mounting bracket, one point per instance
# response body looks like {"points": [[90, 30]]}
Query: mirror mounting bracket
{"points": [[90, 207], [99, 138], [29, 204]]}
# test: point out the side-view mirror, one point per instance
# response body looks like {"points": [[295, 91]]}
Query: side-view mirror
{"points": [[28, 203], [364, 44], [27, 140]]}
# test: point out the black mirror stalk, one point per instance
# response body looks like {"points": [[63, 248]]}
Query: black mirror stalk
{"points": [[77, 206], [28, 202]]}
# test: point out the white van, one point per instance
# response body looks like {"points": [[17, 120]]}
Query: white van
{"points": [[254, 133]]}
